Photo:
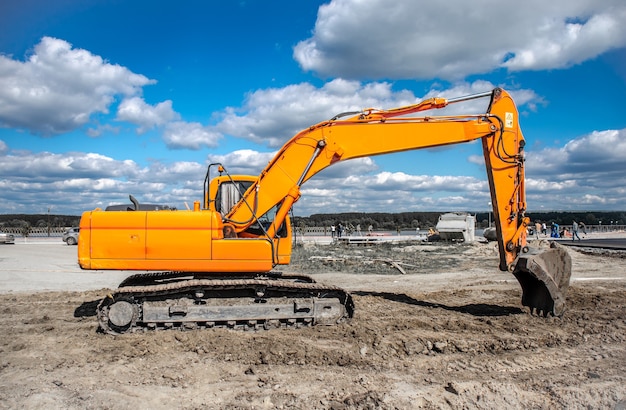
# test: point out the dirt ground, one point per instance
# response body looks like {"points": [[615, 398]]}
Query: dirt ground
{"points": [[449, 333]]}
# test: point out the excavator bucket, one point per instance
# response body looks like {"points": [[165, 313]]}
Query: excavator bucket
{"points": [[544, 278]]}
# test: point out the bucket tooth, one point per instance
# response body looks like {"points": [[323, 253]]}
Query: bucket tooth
{"points": [[544, 278]]}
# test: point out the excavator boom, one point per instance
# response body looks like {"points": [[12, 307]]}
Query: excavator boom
{"points": [[243, 231], [378, 132]]}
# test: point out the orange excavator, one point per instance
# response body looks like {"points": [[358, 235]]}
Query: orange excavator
{"points": [[214, 265]]}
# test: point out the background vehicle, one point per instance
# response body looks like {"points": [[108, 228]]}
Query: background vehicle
{"points": [[219, 257], [456, 226], [70, 236], [6, 238]]}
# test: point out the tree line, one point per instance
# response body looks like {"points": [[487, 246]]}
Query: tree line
{"points": [[425, 220], [378, 220], [38, 220]]}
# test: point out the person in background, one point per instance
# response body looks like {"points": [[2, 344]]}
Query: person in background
{"points": [[537, 229], [575, 231], [554, 232]]}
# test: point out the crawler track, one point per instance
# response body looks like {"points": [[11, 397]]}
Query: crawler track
{"points": [[186, 300]]}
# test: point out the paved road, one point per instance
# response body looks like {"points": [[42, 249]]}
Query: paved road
{"points": [[49, 264], [608, 243]]}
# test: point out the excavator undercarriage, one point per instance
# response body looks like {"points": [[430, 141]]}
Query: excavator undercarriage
{"points": [[192, 300]]}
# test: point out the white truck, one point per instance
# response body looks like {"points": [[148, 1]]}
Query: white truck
{"points": [[456, 226]]}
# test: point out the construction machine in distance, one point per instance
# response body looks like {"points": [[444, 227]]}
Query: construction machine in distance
{"points": [[213, 265]]}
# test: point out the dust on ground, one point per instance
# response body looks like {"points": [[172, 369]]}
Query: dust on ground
{"points": [[449, 333]]}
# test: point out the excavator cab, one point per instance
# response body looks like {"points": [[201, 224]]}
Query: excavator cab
{"points": [[225, 191]]}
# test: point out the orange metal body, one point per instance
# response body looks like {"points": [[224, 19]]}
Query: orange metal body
{"points": [[167, 240], [195, 241]]}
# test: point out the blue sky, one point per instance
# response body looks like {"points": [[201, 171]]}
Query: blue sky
{"points": [[103, 99]]}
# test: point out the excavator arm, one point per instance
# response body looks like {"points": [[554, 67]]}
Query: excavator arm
{"points": [[376, 132], [544, 276]]}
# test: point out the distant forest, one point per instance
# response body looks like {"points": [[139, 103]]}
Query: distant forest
{"points": [[379, 221], [38, 220], [425, 220]]}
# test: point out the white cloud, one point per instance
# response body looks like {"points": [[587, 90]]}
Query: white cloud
{"points": [[585, 173], [400, 181], [251, 162], [559, 43], [392, 192], [597, 157], [344, 169], [451, 40], [135, 110], [100, 129], [188, 168], [77, 181], [46, 166], [608, 147], [190, 135], [544, 185], [272, 116], [59, 87], [245, 161]]}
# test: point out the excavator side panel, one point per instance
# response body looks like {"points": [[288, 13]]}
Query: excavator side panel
{"points": [[242, 255], [178, 235], [122, 234], [167, 240]]}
